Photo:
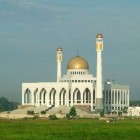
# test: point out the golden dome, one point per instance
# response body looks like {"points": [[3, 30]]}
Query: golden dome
{"points": [[77, 63], [59, 49], [99, 36]]}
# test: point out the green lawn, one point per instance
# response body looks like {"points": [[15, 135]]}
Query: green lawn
{"points": [[81, 129]]}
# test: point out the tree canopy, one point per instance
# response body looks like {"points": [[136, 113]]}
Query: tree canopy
{"points": [[6, 105], [135, 103], [72, 112]]}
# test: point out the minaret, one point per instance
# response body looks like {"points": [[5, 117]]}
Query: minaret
{"points": [[59, 61], [99, 88]]}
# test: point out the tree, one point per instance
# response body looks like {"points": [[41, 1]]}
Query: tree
{"points": [[72, 112], [30, 112], [120, 113], [135, 103], [102, 113], [5, 105], [53, 117], [125, 110], [43, 112], [108, 112]]}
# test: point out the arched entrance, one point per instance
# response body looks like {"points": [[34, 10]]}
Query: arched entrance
{"points": [[76, 96], [52, 97], [94, 96], [27, 96], [86, 96], [35, 96], [62, 97], [42, 97]]}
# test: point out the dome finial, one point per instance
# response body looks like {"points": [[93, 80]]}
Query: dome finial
{"points": [[59, 49], [99, 35]]}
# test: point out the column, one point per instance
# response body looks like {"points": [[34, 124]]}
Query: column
{"points": [[23, 90], [104, 97], [111, 99], [67, 97], [38, 100], [32, 96], [128, 98], [82, 96], [117, 99], [47, 97], [56, 97], [125, 98], [120, 99], [71, 97], [91, 103], [42, 98], [75, 97], [108, 97]]}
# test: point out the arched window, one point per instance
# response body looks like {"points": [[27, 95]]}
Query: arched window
{"points": [[52, 97], [62, 97], [87, 96], [76, 96], [27, 96]]}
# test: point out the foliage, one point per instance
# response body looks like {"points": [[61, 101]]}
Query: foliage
{"points": [[43, 112], [108, 112], [68, 116], [102, 113], [36, 116], [72, 112], [119, 113], [125, 110], [6, 105], [114, 112], [30, 112], [135, 103], [52, 117]]}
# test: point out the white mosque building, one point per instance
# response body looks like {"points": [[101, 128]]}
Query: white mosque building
{"points": [[78, 87]]}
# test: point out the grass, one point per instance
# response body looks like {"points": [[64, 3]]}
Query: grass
{"points": [[81, 129]]}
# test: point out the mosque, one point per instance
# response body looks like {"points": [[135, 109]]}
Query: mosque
{"points": [[78, 87]]}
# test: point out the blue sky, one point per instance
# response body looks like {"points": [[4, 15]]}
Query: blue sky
{"points": [[31, 30]]}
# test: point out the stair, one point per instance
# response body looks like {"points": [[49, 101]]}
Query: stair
{"points": [[61, 109]]}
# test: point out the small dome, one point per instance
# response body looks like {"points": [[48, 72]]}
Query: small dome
{"points": [[59, 49], [77, 63], [99, 36]]}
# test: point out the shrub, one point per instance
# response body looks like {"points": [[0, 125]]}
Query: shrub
{"points": [[36, 116], [119, 113], [125, 110], [53, 117], [43, 112], [30, 112], [108, 112], [68, 116], [72, 112], [102, 113]]}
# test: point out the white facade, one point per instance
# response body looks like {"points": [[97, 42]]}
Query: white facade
{"points": [[134, 111], [77, 87], [99, 84], [115, 97]]}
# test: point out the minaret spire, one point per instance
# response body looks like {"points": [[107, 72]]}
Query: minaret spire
{"points": [[99, 84], [59, 61]]}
